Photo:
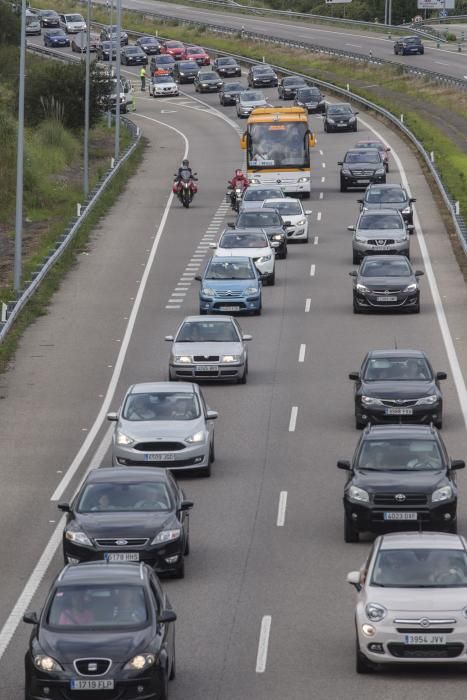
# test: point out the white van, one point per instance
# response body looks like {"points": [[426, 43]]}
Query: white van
{"points": [[72, 23]]}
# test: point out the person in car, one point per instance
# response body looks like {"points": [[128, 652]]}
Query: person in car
{"points": [[77, 611], [129, 607]]}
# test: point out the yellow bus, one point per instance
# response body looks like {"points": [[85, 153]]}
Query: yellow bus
{"points": [[277, 142]]}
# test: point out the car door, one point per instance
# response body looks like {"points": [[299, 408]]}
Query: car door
{"points": [[166, 631], [209, 423], [179, 496]]}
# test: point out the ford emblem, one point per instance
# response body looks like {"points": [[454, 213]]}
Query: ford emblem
{"points": [[121, 543]]}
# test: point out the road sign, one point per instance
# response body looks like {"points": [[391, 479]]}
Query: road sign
{"points": [[435, 4]]}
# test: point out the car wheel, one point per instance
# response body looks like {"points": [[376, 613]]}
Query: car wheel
{"points": [[187, 543], [272, 279], [343, 187], [258, 311], [205, 471], [212, 453], [325, 127], [362, 665], [350, 533], [355, 258], [355, 128], [180, 570], [439, 424], [280, 96], [356, 308], [422, 52], [416, 309], [164, 685], [243, 379]]}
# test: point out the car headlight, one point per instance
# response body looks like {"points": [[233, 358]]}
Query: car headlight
{"points": [[352, 119], [166, 536], [278, 237], [78, 537], [208, 292], [375, 612], [360, 239], [371, 401], [302, 222], [123, 439], [197, 437], [251, 290], [255, 181], [406, 210], [181, 73], [303, 179], [264, 258], [411, 287], [442, 494], [380, 171], [428, 400], [230, 358], [357, 494], [46, 663], [140, 662], [182, 358], [331, 121], [345, 171], [362, 289]]}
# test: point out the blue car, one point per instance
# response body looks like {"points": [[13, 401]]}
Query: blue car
{"points": [[230, 285], [56, 37]]}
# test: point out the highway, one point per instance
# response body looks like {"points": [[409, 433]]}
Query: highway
{"points": [[260, 561]]}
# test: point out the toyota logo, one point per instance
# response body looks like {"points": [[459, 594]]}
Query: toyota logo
{"points": [[424, 622], [400, 497], [121, 543]]}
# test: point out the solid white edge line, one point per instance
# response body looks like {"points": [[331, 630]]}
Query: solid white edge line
{"points": [[281, 509], [263, 644], [293, 419], [302, 352]]}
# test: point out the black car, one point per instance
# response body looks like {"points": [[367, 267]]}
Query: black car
{"points": [[106, 630], [311, 99], [129, 514], [49, 18], [400, 477], [163, 62], [386, 283], [149, 44], [361, 166], [340, 117], [397, 386], [207, 81], [262, 76], [409, 44], [185, 71], [133, 56], [105, 50], [56, 37], [110, 33], [289, 86], [228, 93], [389, 197], [272, 224], [226, 67]]}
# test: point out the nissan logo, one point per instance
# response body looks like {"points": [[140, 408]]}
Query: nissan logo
{"points": [[400, 497], [121, 543]]}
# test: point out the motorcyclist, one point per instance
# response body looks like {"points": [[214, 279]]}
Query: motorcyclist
{"points": [[182, 171], [239, 181], [185, 173]]}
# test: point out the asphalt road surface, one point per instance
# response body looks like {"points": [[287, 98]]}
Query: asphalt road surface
{"points": [[254, 566]]}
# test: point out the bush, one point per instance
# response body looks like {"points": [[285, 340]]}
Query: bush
{"points": [[9, 25]]}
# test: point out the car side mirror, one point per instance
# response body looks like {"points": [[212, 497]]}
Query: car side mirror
{"points": [[112, 416], [412, 200], [65, 507], [247, 337], [419, 273], [31, 618], [344, 464], [340, 162], [457, 464], [350, 228], [166, 616], [388, 149], [212, 415], [186, 505], [198, 278], [354, 376], [353, 577], [441, 375], [355, 113], [359, 201], [354, 273], [169, 338], [410, 227], [213, 245], [231, 224]]}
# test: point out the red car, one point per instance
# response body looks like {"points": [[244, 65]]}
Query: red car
{"points": [[196, 53], [173, 48], [379, 145]]}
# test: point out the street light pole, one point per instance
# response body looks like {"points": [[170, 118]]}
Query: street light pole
{"points": [[117, 106], [86, 102], [20, 153], [111, 54]]}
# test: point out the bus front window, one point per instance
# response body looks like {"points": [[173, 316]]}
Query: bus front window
{"points": [[275, 145]]}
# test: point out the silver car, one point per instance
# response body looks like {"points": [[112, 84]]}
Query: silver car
{"points": [[209, 347], [248, 101], [255, 195], [294, 216], [165, 425], [383, 231], [412, 601]]}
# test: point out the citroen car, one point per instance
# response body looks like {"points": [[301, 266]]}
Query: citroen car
{"points": [[272, 224], [252, 243], [228, 93], [386, 283], [311, 99], [248, 101], [294, 216], [340, 117], [207, 81], [226, 67], [230, 285], [360, 167], [381, 232], [289, 86], [149, 44], [389, 196], [262, 75]]}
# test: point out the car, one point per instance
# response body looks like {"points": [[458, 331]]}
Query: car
{"points": [[231, 284], [410, 602], [289, 86], [207, 81], [293, 215], [255, 194], [226, 67], [400, 477], [173, 48], [247, 101], [105, 629], [397, 386], [33, 23], [133, 56], [128, 514], [72, 23], [380, 146], [79, 41], [210, 348], [164, 425], [386, 283], [49, 18], [124, 93], [311, 99], [197, 54], [110, 33], [409, 45], [262, 76], [360, 167], [163, 62], [149, 44], [389, 196], [340, 117], [185, 71], [270, 221], [106, 51], [162, 84], [253, 244], [55, 37], [228, 93], [381, 232]]}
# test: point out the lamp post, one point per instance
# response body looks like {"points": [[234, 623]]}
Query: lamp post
{"points": [[111, 55], [86, 103], [20, 154], [117, 105]]}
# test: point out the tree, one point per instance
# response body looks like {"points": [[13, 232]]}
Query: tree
{"points": [[9, 25]]}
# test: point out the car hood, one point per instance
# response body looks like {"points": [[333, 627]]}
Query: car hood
{"points": [[340, 117], [250, 204], [207, 349], [119, 524], [152, 430], [243, 252], [383, 234], [399, 481], [363, 166], [118, 646], [386, 282], [229, 284], [394, 389], [430, 601]]}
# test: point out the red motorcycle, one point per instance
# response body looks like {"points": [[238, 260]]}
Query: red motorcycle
{"points": [[185, 187]]}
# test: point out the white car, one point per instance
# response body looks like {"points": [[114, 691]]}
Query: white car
{"points": [[163, 85], [254, 195], [293, 215], [72, 23], [250, 244], [412, 601]]}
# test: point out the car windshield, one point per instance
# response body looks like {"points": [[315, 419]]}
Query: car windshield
{"points": [[207, 332], [293, 81], [74, 18], [56, 32], [162, 79], [48, 13], [399, 454], [195, 49], [420, 568], [412, 40], [308, 94], [187, 65], [397, 369], [133, 49], [125, 498], [340, 109], [227, 270], [252, 96], [207, 76], [355, 157], [226, 62], [274, 144], [243, 240], [161, 406], [148, 40], [262, 69], [94, 606], [259, 195], [258, 219], [381, 222], [233, 86], [393, 195], [385, 268], [284, 208]]}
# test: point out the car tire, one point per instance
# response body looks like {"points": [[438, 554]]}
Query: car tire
{"points": [[343, 187], [164, 685], [258, 311], [325, 127], [205, 471], [173, 668], [356, 308], [355, 128], [280, 96], [362, 665], [355, 258], [272, 279], [186, 551], [453, 528], [359, 424], [244, 378], [383, 181], [422, 52], [416, 309], [180, 570], [350, 533]]}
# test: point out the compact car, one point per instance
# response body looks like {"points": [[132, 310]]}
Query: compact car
{"points": [[231, 284], [386, 283]]}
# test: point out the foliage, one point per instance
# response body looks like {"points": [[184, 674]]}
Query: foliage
{"points": [[9, 25]]}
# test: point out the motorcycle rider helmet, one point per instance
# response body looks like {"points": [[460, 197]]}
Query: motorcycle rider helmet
{"points": [[238, 173]]}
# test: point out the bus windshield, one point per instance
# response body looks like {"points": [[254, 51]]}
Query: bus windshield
{"points": [[278, 145]]}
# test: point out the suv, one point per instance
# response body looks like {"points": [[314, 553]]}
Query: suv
{"points": [[340, 117], [360, 167], [383, 231], [388, 197], [409, 44], [400, 476]]}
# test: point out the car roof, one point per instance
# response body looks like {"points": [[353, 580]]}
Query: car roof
{"points": [[207, 317], [282, 199], [396, 352], [259, 210], [385, 432], [421, 540], [168, 387], [263, 186], [125, 474], [99, 572], [364, 151]]}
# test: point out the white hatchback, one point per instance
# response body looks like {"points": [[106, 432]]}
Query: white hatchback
{"points": [[252, 244], [294, 216]]}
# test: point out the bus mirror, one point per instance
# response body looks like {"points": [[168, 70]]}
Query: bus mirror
{"points": [[311, 139], [243, 141]]}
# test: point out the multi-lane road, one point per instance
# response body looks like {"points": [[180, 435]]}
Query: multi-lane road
{"points": [[264, 611]]}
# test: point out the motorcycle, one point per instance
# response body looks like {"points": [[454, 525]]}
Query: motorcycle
{"points": [[234, 196], [185, 187]]}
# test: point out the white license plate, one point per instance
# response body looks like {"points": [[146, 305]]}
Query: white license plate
{"points": [[363, 181], [77, 684], [386, 298], [400, 516], [206, 368], [121, 556], [342, 124], [159, 457], [229, 308], [399, 411], [424, 638]]}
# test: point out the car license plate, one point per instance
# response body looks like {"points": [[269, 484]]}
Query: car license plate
{"points": [[386, 298], [399, 411], [159, 457], [121, 556], [206, 368], [342, 124], [229, 308], [424, 638], [94, 684], [400, 516]]}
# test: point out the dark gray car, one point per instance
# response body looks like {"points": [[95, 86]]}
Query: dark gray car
{"points": [[229, 92], [185, 71], [388, 197], [340, 117], [360, 167], [379, 232], [272, 224], [226, 67]]}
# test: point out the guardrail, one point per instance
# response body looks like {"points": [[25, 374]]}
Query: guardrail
{"points": [[30, 286]]}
